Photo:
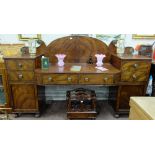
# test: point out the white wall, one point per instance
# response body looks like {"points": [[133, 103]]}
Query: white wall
{"points": [[13, 38], [133, 42]]}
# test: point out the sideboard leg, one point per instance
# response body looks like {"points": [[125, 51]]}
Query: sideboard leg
{"points": [[17, 115]]}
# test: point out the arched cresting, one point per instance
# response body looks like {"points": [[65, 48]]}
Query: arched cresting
{"points": [[78, 49]]}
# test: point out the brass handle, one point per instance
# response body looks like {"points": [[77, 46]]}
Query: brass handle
{"points": [[86, 79], [20, 65], [69, 79], [134, 76], [20, 76], [135, 65], [49, 78]]}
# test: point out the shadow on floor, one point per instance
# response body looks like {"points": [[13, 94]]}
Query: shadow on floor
{"points": [[57, 111]]}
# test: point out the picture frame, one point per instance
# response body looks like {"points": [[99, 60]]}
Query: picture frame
{"points": [[143, 36], [23, 37]]}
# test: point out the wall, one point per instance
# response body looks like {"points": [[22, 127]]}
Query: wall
{"points": [[13, 38]]}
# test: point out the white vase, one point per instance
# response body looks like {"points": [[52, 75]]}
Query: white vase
{"points": [[60, 58], [100, 59]]}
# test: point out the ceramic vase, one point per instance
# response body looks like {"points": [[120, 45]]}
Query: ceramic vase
{"points": [[100, 58], [60, 58]]}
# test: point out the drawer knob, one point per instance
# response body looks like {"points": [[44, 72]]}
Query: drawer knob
{"points": [[106, 78], [135, 65], [20, 65], [20, 76], [86, 79], [134, 76], [69, 79], [49, 78]]}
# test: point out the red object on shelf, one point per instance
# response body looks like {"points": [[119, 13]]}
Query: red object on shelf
{"points": [[153, 55]]}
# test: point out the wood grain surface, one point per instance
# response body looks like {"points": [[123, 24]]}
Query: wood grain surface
{"points": [[78, 49]]}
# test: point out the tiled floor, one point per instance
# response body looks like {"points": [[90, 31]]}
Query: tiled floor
{"points": [[57, 111]]}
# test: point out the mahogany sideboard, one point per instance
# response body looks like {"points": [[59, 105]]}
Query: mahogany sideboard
{"points": [[126, 72], [130, 74]]}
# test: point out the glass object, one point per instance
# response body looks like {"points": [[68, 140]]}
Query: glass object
{"points": [[1, 57], [120, 45], [32, 46], [60, 58], [100, 58]]}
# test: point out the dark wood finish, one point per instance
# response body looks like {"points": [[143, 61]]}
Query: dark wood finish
{"points": [[24, 98], [134, 77], [20, 64], [112, 47], [21, 76], [135, 71], [128, 73], [81, 104], [22, 82], [78, 49], [124, 94], [88, 75]]}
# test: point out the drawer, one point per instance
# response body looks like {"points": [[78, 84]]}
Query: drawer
{"points": [[135, 65], [138, 76], [20, 64], [21, 76], [95, 79], [135, 71], [60, 79]]}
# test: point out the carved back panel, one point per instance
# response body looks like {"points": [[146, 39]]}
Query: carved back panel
{"points": [[78, 49]]}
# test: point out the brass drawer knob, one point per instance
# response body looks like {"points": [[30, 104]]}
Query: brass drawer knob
{"points": [[20, 65], [69, 79], [134, 77], [50, 78], [135, 65], [86, 79], [106, 78], [20, 76]]}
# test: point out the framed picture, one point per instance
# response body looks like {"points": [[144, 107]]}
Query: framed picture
{"points": [[143, 36], [29, 36]]}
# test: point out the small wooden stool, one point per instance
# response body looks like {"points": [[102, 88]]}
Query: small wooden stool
{"points": [[4, 113], [81, 104]]}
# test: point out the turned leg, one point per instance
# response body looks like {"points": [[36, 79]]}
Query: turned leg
{"points": [[17, 115]]}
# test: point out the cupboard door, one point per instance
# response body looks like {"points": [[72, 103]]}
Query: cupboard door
{"points": [[24, 97], [125, 92]]}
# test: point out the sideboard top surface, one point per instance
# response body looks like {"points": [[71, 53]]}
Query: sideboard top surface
{"points": [[85, 68]]}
